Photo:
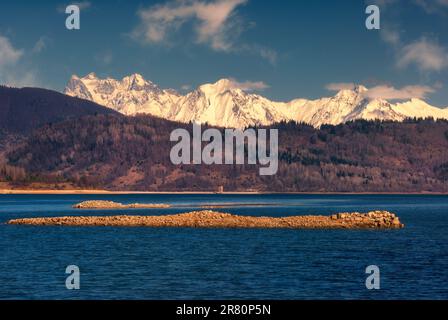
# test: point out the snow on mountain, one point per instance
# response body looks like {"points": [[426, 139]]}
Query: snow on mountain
{"points": [[420, 109], [130, 96], [224, 104]]}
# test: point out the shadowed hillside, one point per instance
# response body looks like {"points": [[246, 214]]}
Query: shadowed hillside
{"points": [[23, 110]]}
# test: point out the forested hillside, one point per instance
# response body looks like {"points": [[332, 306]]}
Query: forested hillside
{"points": [[132, 153]]}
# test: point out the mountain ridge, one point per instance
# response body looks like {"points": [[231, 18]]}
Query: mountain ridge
{"points": [[226, 103], [24, 109]]}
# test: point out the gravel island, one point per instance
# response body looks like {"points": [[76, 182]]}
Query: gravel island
{"points": [[212, 219], [101, 204]]}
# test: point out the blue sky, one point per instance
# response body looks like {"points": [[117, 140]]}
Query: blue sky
{"points": [[285, 49]]}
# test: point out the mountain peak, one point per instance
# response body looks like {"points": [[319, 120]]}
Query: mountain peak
{"points": [[417, 100], [218, 87], [360, 88], [135, 76], [223, 82], [137, 82], [91, 75], [351, 94]]}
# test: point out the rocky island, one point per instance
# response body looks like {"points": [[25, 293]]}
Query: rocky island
{"points": [[212, 219], [101, 204]]}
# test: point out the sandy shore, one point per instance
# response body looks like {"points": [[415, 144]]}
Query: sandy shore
{"points": [[212, 219]]}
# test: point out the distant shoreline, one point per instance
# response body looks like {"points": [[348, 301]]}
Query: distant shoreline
{"points": [[106, 192]]}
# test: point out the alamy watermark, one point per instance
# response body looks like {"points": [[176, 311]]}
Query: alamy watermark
{"points": [[373, 281], [230, 149], [373, 21], [73, 281], [73, 21]]}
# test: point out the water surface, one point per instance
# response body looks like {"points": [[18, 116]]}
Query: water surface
{"points": [[146, 263]]}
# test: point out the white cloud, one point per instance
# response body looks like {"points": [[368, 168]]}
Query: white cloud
{"points": [[387, 92], [390, 36], [340, 86], [268, 54], [214, 27], [425, 54], [8, 54], [249, 85], [405, 93], [433, 6], [40, 45], [11, 73], [19, 80], [215, 24], [213, 21], [83, 5]]}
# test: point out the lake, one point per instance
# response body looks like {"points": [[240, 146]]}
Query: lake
{"points": [[147, 263]]}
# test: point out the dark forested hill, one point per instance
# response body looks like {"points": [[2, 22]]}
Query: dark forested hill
{"points": [[23, 110], [132, 153]]}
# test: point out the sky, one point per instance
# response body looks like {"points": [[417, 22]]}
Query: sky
{"points": [[282, 49]]}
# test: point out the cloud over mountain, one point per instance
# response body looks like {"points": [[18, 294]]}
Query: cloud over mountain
{"points": [[386, 92]]}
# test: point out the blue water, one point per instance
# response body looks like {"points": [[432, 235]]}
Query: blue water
{"points": [[145, 263]]}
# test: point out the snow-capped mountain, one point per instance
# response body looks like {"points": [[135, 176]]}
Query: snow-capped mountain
{"points": [[130, 96], [224, 104]]}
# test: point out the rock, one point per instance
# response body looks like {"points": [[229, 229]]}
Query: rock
{"points": [[212, 219], [102, 204]]}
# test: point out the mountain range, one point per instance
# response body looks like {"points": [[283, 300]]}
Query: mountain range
{"points": [[226, 104]]}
